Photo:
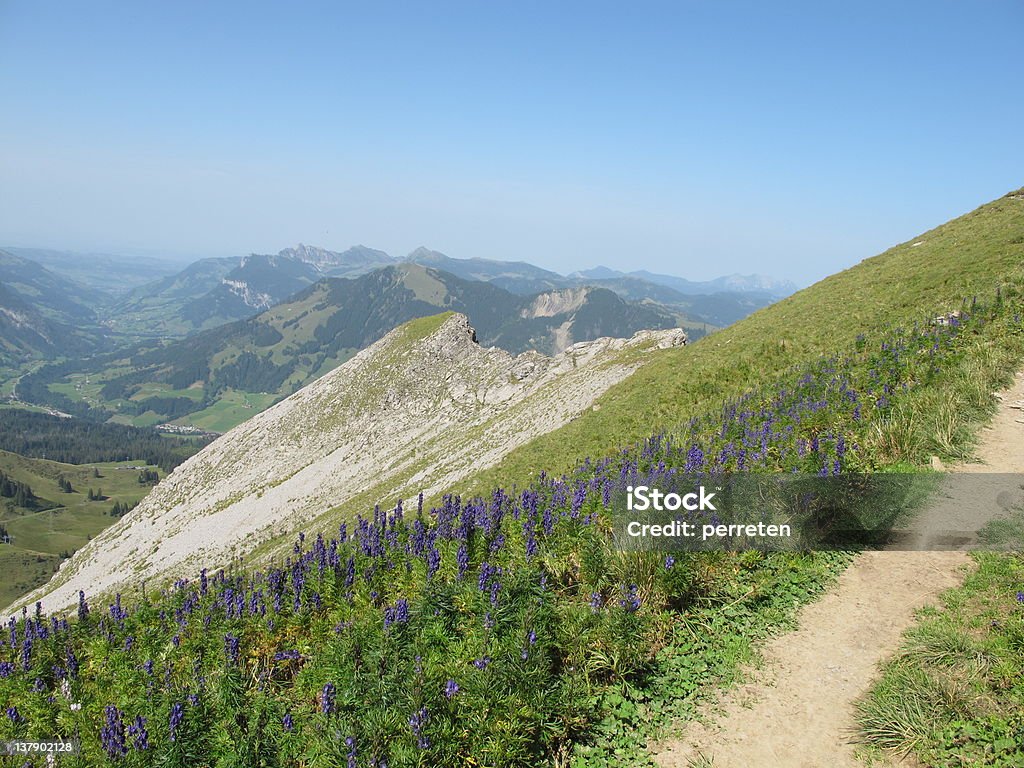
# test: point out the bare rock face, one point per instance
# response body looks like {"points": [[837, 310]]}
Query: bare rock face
{"points": [[557, 302], [421, 409]]}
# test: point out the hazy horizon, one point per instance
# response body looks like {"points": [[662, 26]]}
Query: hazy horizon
{"points": [[690, 139], [179, 261]]}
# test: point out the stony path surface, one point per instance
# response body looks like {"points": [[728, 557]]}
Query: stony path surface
{"points": [[798, 709]]}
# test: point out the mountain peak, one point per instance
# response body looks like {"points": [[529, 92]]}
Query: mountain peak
{"points": [[422, 253], [599, 272], [756, 282], [351, 262]]}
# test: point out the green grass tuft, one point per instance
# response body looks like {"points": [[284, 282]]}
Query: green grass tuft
{"points": [[953, 695]]}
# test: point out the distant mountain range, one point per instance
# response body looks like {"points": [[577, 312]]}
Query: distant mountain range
{"points": [[52, 295], [43, 314], [738, 283], [211, 292], [209, 343], [201, 379], [514, 276], [106, 275]]}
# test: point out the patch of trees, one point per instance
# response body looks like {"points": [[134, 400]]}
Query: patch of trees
{"points": [[252, 373], [264, 335], [96, 495], [78, 441], [168, 407], [65, 485], [20, 493], [179, 365], [149, 477], [184, 377], [121, 508], [123, 386], [34, 387]]}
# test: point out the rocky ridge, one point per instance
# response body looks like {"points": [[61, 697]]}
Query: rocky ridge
{"points": [[419, 410]]}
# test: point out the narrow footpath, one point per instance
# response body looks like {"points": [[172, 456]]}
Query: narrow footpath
{"points": [[797, 710]]}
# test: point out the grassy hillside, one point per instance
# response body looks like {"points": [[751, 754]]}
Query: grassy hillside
{"points": [[923, 277], [507, 629], [44, 533], [155, 308], [503, 630]]}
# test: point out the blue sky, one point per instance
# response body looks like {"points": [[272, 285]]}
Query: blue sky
{"points": [[700, 138]]}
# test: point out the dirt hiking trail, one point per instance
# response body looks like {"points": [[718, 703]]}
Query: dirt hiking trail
{"points": [[797, 710]]}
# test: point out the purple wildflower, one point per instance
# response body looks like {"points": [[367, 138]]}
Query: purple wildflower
{"points": [[137, 730], [231, 648], [176, 719], [112, 734], [399, 614], [548, 521], [417, 723], [433, 559], [327, 699], [531, 546], [630, 601], [694, 459]]}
